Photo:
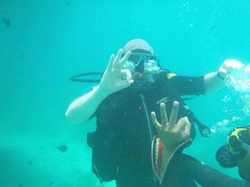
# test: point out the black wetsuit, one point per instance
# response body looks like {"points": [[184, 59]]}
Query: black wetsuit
{"points": [[121, 143], [122, 135], [185, 170]]}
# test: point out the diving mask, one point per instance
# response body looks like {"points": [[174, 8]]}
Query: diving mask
{"points": [[142, 63], [239, 139], [238, 144]]}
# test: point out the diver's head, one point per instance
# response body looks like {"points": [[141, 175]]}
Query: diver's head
{"points": [[237, 151], [138, 44], [142, 58]]}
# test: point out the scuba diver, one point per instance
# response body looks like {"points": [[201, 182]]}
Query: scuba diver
{"points": [[174, 168], [236, 153], [133, 85]]}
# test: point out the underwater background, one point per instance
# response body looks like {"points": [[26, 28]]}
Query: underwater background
{"points": [[44, 42]]}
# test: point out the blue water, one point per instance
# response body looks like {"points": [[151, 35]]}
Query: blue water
{"points": [[43, 43]]}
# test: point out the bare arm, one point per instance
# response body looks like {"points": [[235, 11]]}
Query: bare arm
{"points": [[114, 79], [81, 109], [215, 80]]}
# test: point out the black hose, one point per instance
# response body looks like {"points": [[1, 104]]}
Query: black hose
{"points": [[77, 78], [147, 118]]}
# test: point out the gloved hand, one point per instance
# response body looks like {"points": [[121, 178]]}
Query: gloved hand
{"points": [[228, 66]]}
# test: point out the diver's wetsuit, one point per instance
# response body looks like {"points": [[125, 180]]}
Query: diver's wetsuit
{"points": [[122, 138], [184, 170], [207, 176]]}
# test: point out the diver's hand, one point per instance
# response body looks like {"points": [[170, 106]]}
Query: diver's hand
{"points": [[115, 77], [228, 66], [172, 134]]}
